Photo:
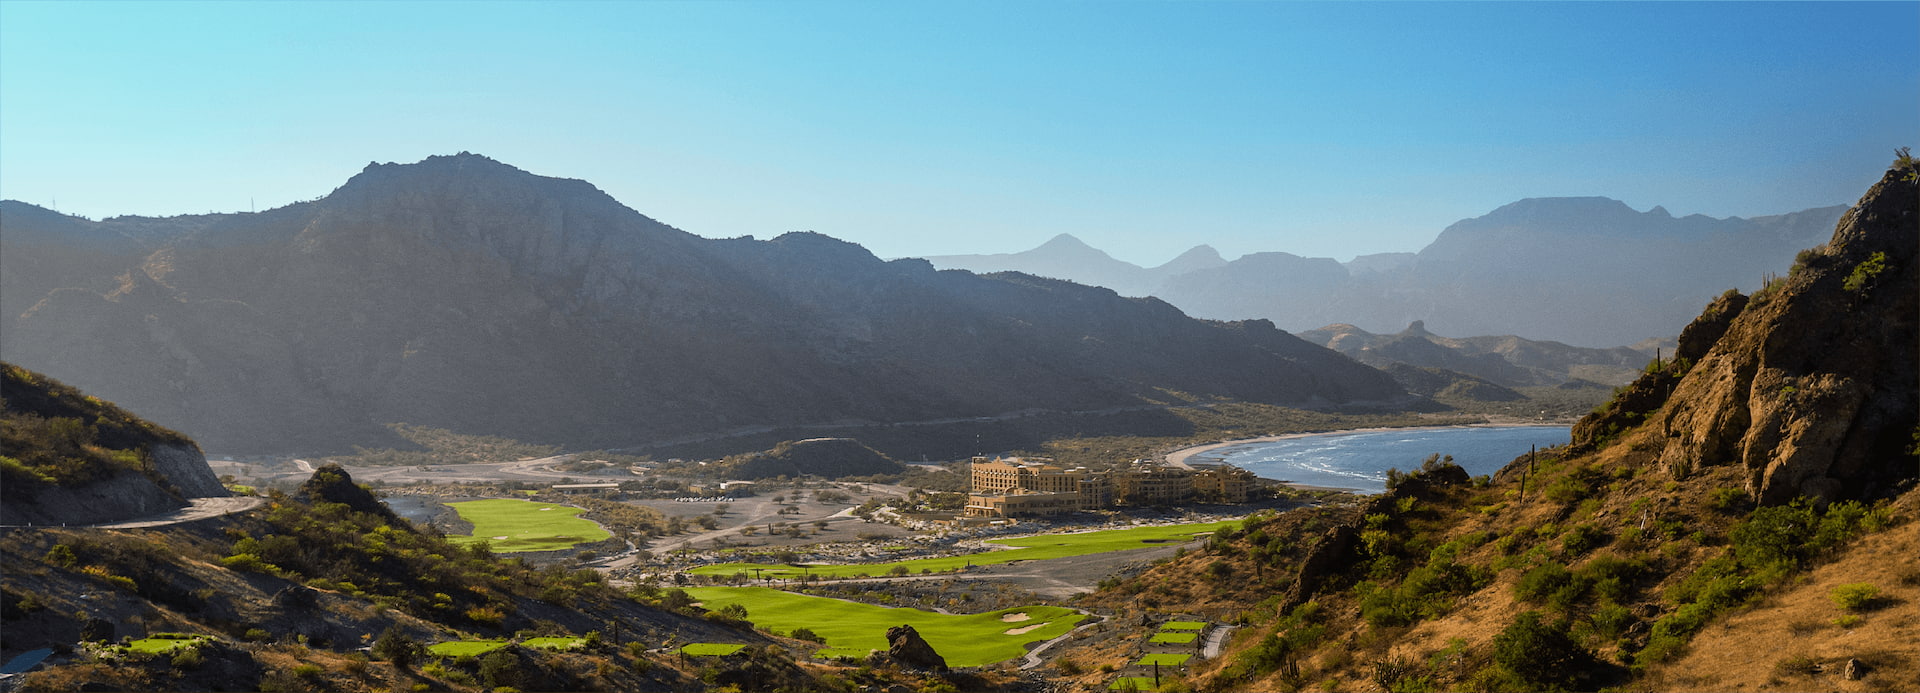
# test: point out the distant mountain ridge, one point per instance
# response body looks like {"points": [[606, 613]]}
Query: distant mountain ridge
{"points": [[465, 294], [1587, 271]]}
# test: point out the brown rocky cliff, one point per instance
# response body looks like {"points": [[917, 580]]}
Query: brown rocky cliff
{"points": [[1812, 388]]}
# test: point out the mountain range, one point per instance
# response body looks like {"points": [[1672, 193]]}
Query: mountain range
{"points": [[465, 294], [1587, 271]]}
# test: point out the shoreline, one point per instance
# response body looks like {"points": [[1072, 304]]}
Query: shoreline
{"points": [[1179, 457]]}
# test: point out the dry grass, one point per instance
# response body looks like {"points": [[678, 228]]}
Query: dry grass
{"points": [[1777, 646]]}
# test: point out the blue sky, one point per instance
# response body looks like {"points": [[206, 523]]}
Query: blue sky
{"points": [[1322, 129]]}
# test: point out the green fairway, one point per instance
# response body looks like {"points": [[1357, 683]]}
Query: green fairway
{"points": [[710, 649], [1172, 638], [1132, 683], [1165, 660], [1184, 625], [964, 640], [555, 644], [516, 525], [1034, 548], [465, 648], [163, 643]]}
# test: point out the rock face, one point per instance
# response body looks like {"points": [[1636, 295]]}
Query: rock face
{"points": [[332, 484], [465, 294], [905, 646], [1810, 387]]}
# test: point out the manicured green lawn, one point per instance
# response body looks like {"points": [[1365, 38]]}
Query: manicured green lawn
{"points": [[1172, 638], [516, 525], [1132, 683], [1165, 660], [1035, 548], [555, 643], [163, 643], [465, 648], [1184, 625], [964, 640], [710, 649]]}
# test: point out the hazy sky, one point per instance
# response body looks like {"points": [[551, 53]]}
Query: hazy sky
{"points": [[931, 128]]}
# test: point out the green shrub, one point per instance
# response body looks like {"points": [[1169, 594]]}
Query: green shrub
{"points": [[1540, 653], [1864, 274], [1857, 596]]}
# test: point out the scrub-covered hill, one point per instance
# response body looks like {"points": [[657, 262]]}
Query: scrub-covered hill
{"points": [[1741, 517]]}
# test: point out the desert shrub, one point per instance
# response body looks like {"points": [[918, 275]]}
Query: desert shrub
{"points": [[1864, 274], [1540, 653], [1856, 596], [500, 668], [1582, 538]]}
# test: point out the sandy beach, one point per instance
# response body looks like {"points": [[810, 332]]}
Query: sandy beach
{"points": [[1178, 458]]}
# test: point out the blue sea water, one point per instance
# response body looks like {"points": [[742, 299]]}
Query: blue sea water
{"points": [[1360, 460]]}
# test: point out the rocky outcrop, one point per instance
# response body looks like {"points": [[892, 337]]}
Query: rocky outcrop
{"points": [[1811, 387], [332, 484], [906, 647], [1651, 389], [76, 459]]}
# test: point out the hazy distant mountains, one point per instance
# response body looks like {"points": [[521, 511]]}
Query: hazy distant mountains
{"points": [[1587, 271], [465, 294]]}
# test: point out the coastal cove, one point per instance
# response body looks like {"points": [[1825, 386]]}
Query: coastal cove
{"points": [[1359, 460]]}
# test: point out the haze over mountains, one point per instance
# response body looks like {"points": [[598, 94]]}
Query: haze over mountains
{"points": [[1587, 271], [463, 293]]}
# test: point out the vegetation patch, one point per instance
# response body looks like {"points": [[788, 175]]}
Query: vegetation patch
{"points": [[1184, 625], [1164, 659], [1173, 638], [1036, 548], [1133, 683], [165, 643], [963, 640], [555, 644], [465, 648], [509, 525], [711, 649]]}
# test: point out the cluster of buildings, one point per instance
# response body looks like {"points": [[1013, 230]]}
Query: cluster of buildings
{"points": [[1011, 486]]}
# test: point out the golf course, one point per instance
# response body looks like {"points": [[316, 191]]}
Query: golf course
{"points": [[516, 525], [1034, 548], [964, 640]]}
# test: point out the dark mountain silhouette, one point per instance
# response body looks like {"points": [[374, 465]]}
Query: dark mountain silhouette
{"points": [[1505, 360], [1588, 271], [1067, 257], [465, 294]]}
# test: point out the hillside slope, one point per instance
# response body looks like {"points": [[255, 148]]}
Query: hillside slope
{"points": [[464, 294], [1728, 536], [73, 458]]}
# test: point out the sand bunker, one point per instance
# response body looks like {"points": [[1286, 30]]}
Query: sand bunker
{"points": [[502, 537], [1014, 618], [545, 509], [1023, 629]]}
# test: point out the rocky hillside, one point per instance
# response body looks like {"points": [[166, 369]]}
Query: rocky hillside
{"points": [[1588, 271], [464, 294], [1739, 518], [73, 458], [830, 458]]}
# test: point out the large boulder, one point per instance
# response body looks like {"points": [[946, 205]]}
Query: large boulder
{"points": [[905, 646]]}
